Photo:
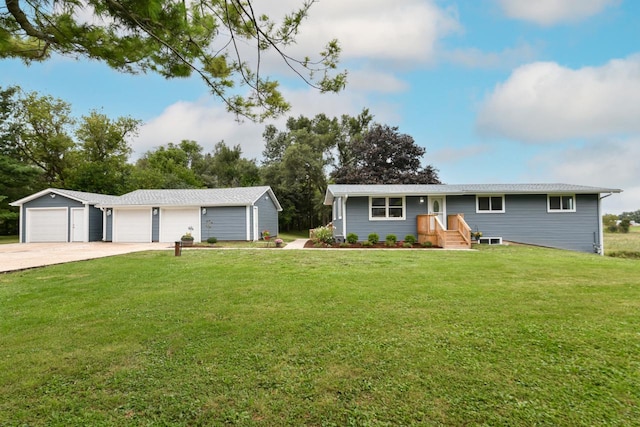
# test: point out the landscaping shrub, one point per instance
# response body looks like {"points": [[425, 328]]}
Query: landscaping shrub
{"points": [[390, 240], [323, 236], [352, 238], [212, 240], [373, 238], [427, 244], [407, 245], [367, 243], [410, 238]]}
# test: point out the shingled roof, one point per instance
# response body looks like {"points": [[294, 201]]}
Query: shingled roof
{"points": [[239, 196], [341, 190]]}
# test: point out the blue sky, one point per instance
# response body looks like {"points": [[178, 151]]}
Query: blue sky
{"points": [[497, 91]]}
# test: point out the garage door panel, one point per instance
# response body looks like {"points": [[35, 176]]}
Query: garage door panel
{"points": [[132, 225], [176, 222], [47, 225]]}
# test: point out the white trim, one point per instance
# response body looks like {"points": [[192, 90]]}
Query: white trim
{"points": [[344, 216], [572, 209], [23, 231], [248, 223], [490, 211], [387, 207], [256, 223], [443, 209]]}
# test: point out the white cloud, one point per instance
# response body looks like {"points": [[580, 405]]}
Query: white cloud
{"points": [[207, 122], [376, 30], [505, 59], [604, 163], [550, 12], [544, 101]]}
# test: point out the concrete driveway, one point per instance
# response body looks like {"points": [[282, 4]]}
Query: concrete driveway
{"points": [[20, 256]]}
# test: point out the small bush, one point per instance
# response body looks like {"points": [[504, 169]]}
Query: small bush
{"points": [[345, 245], [391, 239], [352, 238], [212, 240], [373, 238], [427, 244], [624, 254], [410, 238], [323, 235], [367, 243], [407, 245]]}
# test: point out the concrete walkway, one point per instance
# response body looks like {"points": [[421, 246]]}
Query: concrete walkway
{"points": [[296, 244]]}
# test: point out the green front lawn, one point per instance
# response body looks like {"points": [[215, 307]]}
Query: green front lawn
{"points": [[9, 239], [501, 336]]}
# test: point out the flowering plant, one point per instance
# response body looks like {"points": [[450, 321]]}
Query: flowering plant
{"points": [[265, 234], [477, 235], [278, 242], [187, 235]]}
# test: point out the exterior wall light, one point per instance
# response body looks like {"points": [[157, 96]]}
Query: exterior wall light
{"points": [[421, 199], [53, 196], [108, 212], [204, 211], [155, 211]]}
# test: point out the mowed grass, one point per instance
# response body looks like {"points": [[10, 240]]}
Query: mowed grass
{"points": [[623, 244], [502, 336]]}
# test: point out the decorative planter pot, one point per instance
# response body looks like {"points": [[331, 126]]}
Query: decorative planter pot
{"points": [[187, 243]]}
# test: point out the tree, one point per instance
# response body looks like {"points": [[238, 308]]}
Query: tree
{"points": [[226, 167], [173, 38], [631, 216], [101, 159], [169, 166], [384, 156], [294, 166]]}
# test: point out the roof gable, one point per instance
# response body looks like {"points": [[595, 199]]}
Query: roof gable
{"points": [[80, 196]]}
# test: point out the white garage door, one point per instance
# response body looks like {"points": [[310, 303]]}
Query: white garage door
{"points": [[176, 222], [132, 225], [47, 225]]}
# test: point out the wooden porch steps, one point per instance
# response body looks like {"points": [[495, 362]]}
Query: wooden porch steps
{"points": [[454, 240]]}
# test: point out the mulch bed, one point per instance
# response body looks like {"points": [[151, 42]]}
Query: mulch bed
{"points": [[359, 245]]}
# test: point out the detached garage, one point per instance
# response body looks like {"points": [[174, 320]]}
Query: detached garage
{"points": [[241, 213], [166, 215], [55, 215]]}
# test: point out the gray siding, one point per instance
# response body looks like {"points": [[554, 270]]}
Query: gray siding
{"points": [[224, 223], [267, 216], [526, 220], [357, 217], [46, 201], [155, 225], [95, 224], [337, 218]]}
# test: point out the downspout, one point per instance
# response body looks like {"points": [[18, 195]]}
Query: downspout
{"points": [[600, 248]]}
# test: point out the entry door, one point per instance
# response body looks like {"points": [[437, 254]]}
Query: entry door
{"points": [[436, 207], [77, 225]]}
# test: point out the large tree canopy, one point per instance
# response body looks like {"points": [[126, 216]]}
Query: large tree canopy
{"points": [[384, 156], [175, 39]]}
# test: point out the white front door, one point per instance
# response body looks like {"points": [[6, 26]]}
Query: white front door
{"points": [[77, 224], [437, 207]]}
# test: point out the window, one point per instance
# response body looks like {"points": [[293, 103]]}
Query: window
{"points": [[337, 208], [381, 208], [489, 204], [564, 203]]}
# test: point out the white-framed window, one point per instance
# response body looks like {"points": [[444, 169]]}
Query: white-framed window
{"points": [[337, 208], [386, 208], [561, 203], [490, 204]]}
